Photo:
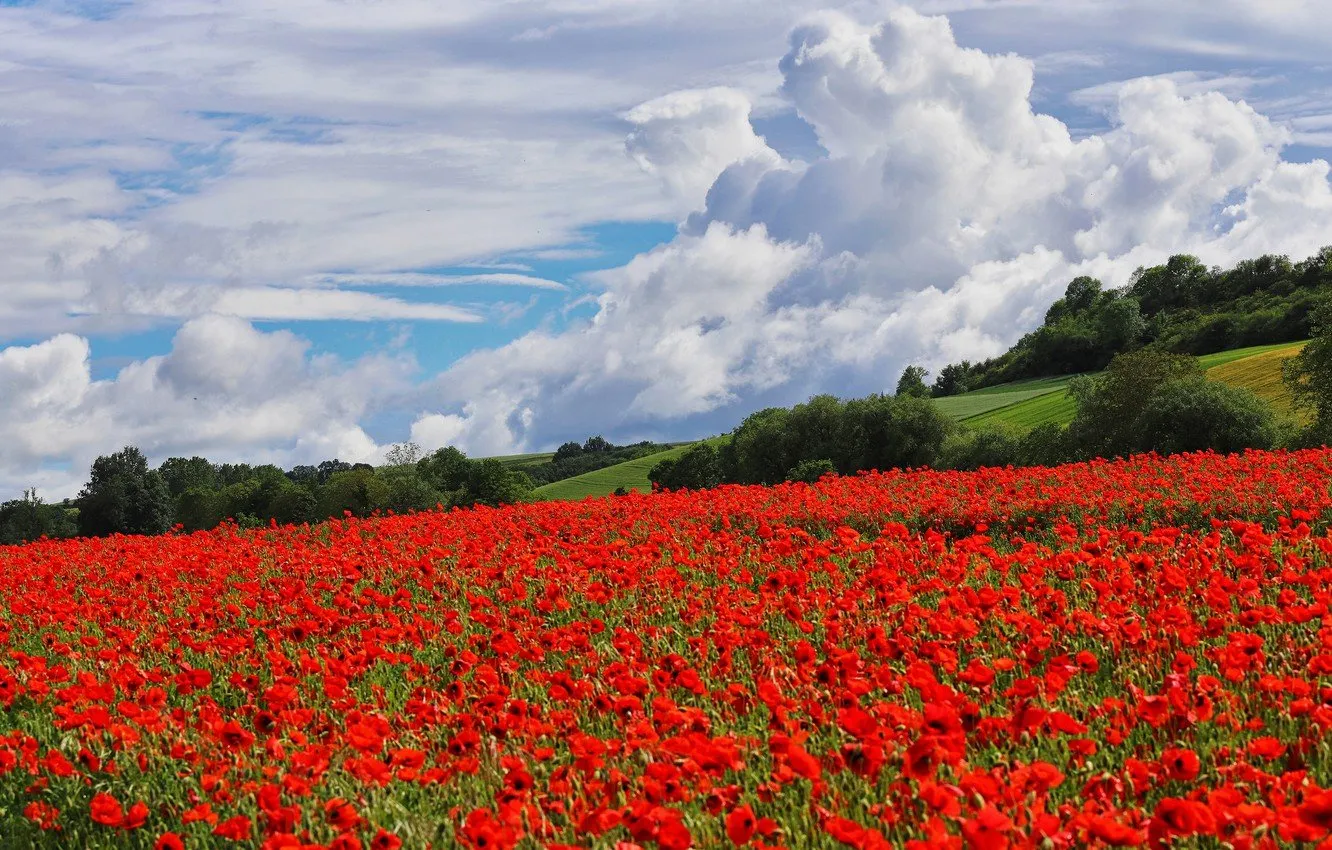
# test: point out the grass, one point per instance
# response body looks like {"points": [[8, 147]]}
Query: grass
{"points": [[1221, 358], [521, 461], [1031, 384], [1260, 373], [538, 458], [1257, 367], [965, 407], [631, 475], [1056, 406]]}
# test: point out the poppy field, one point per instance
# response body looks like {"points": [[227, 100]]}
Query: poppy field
{"points": [[1129, 653]]}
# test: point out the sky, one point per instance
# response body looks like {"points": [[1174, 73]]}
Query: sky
{"points": [[282, 232]]}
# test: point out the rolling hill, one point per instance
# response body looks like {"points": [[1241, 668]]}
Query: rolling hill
{"points": [[521, 461], [632, 474], [1027, 404], [1261, 373]]}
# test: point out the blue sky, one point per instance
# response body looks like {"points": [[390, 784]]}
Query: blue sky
{"points": [[502, 225]]}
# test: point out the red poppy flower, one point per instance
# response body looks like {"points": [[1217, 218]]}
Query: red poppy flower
{"points": [[741, 825], [106, 810]]}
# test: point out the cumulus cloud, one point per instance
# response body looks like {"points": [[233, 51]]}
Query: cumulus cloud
{"points": [[947, 214], [688, 138], [225, 390]]}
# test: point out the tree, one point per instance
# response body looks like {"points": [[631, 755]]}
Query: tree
{"points": [[305, 474], [446, 470], [1194, 414], [952, 379], [30, 518], [22, 520], [810, 471], [917, 431], [757, 453], [403, 454], [1309, 373], [1119, 325], [199, 509], [183, 473], [662, 474], [328, 468], [567, 451], [1047, 444], [912, 382], [293, 505], [1108, 407], [489, 482], [990, 446], [1182, 282], [123, 496], [698, 468], [596, 444], [359, 491], [232, 473], [409, 490], [813, 430]]}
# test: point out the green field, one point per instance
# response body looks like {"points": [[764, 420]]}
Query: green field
{"points": [[1056, 406], [965, 407], [521, 461], [1260, 372], [1221, 358], [1031, 384], [632, 474]]}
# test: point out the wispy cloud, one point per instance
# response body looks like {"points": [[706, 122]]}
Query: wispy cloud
{"points": [[422, 279], [1188, 83]]}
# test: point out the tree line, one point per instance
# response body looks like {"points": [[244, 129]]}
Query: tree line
{"points": [[125, 495]]}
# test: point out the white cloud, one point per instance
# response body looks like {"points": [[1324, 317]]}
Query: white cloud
{"points": [[271, 303], [225, 390], [945, 218], [688, 138], [420, 279]]}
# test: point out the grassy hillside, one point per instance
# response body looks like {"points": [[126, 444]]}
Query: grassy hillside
{"points": [[1054, 406], [1260, 373], [972, 405], [632, 474], [1022, 404], [1056, 383], [520, 461], [1221, 358], [1026, 404]]}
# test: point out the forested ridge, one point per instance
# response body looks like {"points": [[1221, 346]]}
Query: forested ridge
{"points": [[1181, 306]]}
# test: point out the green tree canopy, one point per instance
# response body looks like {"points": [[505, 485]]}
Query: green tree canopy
{"points": [[912, 382], [1109, 406], [123, 496], [1309, 373]]}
